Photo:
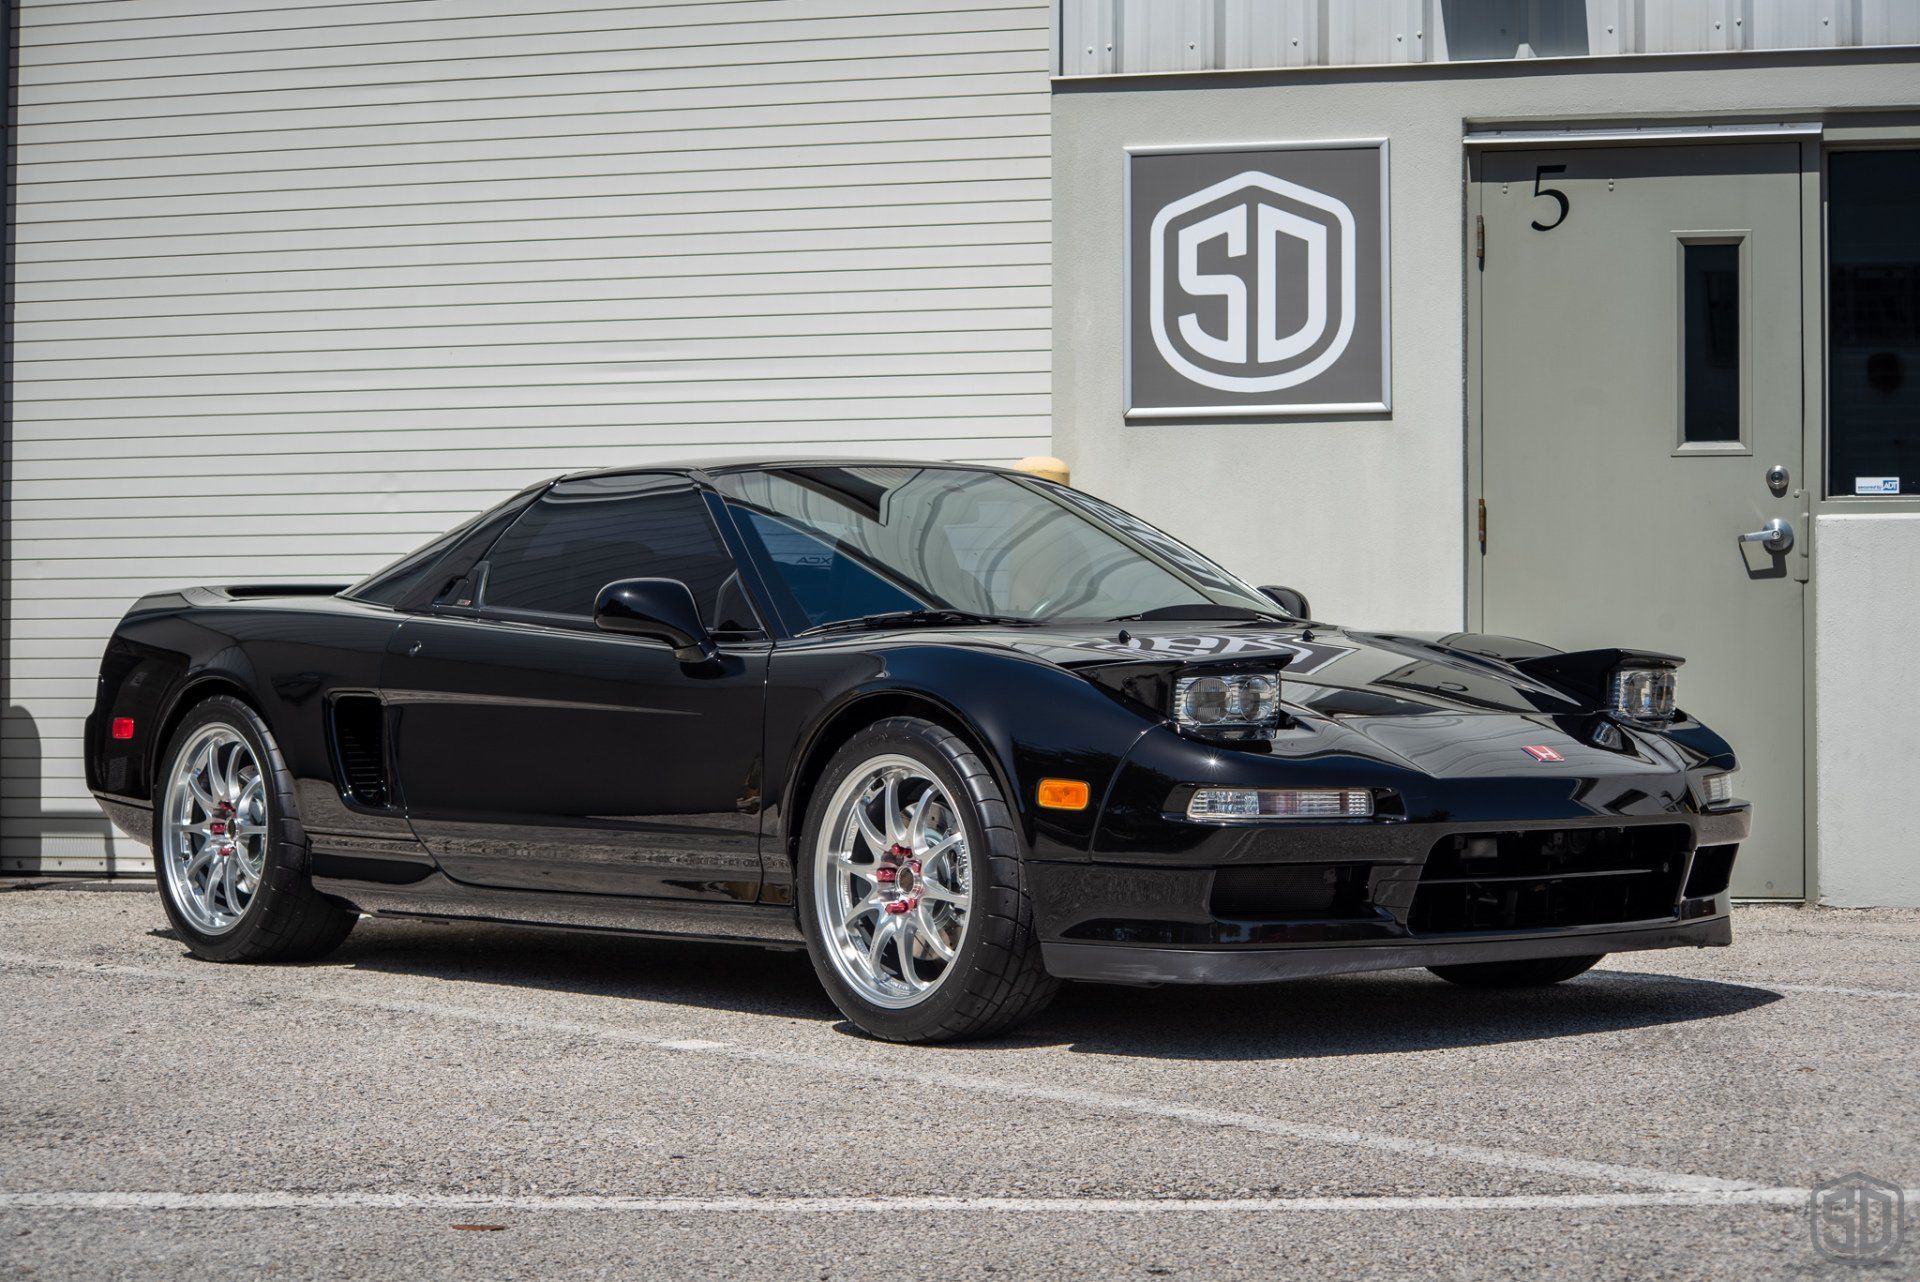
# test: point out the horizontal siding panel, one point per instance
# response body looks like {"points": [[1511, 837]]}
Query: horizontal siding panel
{"points": [[462, 320], [740, 291], [339, 26], [934, 187], [613, 172], [85, 19], [458, 341], [344, 468], [440, 509], [586, 71], [758, 384], [375, 267], [647, 234], [560, 105], [321, 280], [278, 445], [962, 335], [626, 40], [290, 152], [1017, 161]]}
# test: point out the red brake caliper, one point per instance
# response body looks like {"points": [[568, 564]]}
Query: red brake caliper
{"points": [[221, 825], [889, 875]]}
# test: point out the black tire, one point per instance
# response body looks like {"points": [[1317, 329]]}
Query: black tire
{"points": [[287, 920], [996, 980], [1533, 972]]}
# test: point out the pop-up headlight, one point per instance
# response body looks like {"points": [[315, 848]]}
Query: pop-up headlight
{"points": [[1234, 701], [1641, 694]]}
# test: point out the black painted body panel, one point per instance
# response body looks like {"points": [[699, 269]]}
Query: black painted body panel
{"points": [[547, 758], [565, 776]]}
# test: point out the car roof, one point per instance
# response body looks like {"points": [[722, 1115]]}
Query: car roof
{"points": [[721, 466]]}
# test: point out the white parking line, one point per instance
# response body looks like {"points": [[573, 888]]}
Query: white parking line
{"points": [[102, 1200], [1088, 1100], [1832, 990]]}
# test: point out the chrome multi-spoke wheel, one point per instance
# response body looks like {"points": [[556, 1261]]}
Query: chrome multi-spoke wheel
{"points": [[214, 829], [892, 884]]}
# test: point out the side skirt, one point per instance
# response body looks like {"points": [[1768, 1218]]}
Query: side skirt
{"points": [[439, 898]]}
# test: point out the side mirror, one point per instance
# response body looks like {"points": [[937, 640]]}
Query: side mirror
{"points": [[663, 609], [1287, 599]]}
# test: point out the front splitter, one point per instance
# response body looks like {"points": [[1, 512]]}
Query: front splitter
{"points": [[1135, 964]]}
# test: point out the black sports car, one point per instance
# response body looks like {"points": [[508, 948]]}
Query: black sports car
{"points": [[959, 732]]}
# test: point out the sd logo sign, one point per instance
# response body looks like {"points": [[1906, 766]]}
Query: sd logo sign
{"points": [[1257, 281]]}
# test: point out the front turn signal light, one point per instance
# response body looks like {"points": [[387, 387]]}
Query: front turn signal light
{"points": [[1064, 794]]}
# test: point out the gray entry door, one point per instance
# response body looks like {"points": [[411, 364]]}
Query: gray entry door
{"points": [[1639, 356]]}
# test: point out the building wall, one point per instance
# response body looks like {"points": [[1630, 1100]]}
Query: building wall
{"points": [[1367, 514], [301, 285], [1364, 514], [1106, 37], [1867, 705]]}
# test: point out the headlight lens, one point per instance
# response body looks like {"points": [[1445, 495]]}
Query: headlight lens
{"points": [[1717, 790], [1226, 805], [1239, 701], [1642, 694]]}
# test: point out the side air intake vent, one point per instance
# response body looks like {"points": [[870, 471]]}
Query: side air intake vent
{"points": [[360, 739]]}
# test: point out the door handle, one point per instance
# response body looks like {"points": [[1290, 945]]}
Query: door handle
{"points": [[1775, 536]]}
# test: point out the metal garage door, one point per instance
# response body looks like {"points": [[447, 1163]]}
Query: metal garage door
{"points": [[300, 285]]}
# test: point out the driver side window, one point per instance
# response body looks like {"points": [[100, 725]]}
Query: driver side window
{"points": [[584, 534]]}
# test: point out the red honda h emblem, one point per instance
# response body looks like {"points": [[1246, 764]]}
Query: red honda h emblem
{"points": [[1541, 752]]}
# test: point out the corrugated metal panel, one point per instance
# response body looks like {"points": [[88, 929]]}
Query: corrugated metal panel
{"points": [[1106, 37], [300, 285]]}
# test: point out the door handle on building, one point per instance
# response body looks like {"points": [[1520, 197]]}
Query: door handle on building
{"points": [[1775, 536]]}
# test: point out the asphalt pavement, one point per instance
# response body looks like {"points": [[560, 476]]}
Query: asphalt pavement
{"points": [[454, 1101]]}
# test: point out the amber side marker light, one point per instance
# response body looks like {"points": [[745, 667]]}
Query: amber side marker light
{"points": [[1063, 794], [123, 727]]}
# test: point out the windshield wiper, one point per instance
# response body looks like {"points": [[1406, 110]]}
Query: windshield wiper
{"points": [[914, 619], [1200, 610]]}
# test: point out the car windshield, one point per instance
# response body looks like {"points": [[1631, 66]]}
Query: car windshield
{"points": [[842, 543]]}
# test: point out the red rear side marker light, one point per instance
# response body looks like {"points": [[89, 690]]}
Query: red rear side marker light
{"points": [[123, 727]]}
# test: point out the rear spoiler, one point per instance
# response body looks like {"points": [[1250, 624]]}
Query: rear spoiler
{"points": [[215, 594]]}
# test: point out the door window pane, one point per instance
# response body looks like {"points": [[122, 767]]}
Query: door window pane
{"points": [[585, 534], [1710, 357], [823, 581], [1873, 298]]}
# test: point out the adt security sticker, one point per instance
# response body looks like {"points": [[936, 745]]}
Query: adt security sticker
{"points": [[1876, 485]]}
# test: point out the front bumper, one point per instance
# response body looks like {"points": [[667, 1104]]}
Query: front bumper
{"points": [[1377, 897], [1112, 963]]}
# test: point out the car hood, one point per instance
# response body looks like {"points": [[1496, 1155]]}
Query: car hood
{"points": [[1330, 670]]}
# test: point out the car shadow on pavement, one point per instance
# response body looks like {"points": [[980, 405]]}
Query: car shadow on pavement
{"points": [[1394, 1012], [726, 977], [1397, 1012]]}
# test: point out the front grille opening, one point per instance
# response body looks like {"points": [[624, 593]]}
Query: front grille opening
{"points": [[1540, 880], [1291, 892], [360, 737], [1712, 871]]}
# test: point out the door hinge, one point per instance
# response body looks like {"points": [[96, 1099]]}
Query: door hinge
{"points": [[1483, 527], [1480, 239]]}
